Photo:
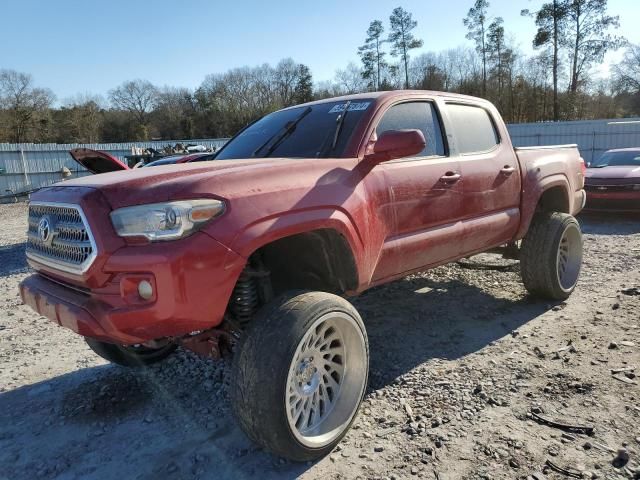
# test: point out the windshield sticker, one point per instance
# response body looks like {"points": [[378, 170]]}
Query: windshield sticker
{"points": [[353, 107]]}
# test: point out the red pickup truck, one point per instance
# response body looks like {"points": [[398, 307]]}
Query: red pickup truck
{"points": [[254, 252]]}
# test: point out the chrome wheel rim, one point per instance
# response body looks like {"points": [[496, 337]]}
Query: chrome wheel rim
{"points": [[326, 379], [569, 257]]}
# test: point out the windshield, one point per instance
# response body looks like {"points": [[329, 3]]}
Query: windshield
{"points": [[301, 132], [616, 159]]}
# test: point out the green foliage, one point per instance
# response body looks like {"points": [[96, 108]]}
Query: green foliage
{"points": [[372, 55], [303, 91], [588, 38], [401, 38], [476, 23]]}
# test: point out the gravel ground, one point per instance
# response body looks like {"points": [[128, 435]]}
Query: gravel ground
{"points": [[460, 357]]}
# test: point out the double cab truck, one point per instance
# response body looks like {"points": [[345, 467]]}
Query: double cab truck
{"points": [[254, 253]]}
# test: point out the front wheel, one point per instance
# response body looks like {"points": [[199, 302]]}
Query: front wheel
{"points": [[130, 355], [551, 255], [300, 374]]}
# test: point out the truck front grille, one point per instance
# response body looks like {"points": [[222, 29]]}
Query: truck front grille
{"points": [[59, 236]]}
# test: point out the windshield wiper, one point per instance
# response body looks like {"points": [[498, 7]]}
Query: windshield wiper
{"points": [[281, 134], [339, 124], [324, 148]]}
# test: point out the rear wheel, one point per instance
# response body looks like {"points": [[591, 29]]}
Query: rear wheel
{"points": [[551, 255], [300, 374], [130, 355]]}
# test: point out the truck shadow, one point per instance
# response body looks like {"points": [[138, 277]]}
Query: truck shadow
{"points": [[417, 319], [12, 259], [173, 420]]}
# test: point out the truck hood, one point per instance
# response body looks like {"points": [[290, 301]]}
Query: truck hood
{"points": [[221, 178], [97, 161], [615, 172]]}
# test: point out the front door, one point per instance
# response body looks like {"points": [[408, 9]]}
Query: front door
{"points": [[425, 194]]}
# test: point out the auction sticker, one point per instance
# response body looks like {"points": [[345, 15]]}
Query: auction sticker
{"points": [[353, 107]]}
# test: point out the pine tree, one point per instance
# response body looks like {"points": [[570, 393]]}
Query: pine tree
{"points": [[372, 55], [495, 49], [303, 90], [587, 38], [551, 21], [476, 23], [401, 38]]}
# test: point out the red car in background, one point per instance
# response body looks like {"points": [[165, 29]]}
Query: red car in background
{"points": [[612, 182], [97, 161]]}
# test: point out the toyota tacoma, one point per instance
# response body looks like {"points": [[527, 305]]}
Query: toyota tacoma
{"points": [[255, 253]]}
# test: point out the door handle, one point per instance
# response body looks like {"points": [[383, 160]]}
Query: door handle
{"points": [[450, 177], [507, 170]]}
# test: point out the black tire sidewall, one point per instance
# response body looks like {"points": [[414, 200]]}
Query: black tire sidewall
{"points": [[540, 252], [269, 346]]}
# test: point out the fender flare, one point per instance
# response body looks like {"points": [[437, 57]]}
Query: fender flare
{"points": [[531, 198], [270, 229]]}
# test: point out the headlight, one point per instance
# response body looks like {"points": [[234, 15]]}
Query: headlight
{"points": [[165, 221]]}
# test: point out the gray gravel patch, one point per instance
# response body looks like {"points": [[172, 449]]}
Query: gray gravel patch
{"points": [[460, 356]]}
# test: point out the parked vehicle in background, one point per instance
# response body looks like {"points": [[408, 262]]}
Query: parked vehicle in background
{"points": [[254, 252], [97, 161], [612, 181]]}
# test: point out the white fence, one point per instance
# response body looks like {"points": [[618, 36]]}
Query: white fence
{"points": [[26, 167], [592, 136]]}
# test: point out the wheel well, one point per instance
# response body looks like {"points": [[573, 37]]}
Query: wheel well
{"points": [[316, 260], [554, 199]]}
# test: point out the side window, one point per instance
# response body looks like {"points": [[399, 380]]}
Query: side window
{"points": [[418, 115], [475, 132]]}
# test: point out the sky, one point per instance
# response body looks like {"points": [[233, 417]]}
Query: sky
{"points": [[91, 46]]}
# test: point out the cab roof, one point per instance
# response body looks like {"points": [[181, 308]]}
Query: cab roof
{"points": [[391, 94]]}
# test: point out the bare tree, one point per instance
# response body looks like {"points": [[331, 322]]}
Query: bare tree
{"points": [[138, 97], [25, 106], [82, 119], [350, 80], [627, 72]]}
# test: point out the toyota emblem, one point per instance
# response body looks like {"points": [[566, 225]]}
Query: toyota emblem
{"points": [[44, 230]]}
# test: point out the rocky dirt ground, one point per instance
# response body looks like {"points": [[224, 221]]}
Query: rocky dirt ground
{"points": [[462, 363]]}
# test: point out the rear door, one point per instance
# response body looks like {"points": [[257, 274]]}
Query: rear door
{"points": [[491, 177], [424, 191]]}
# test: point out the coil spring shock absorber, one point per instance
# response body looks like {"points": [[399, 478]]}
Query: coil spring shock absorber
{"points": [[245, 296]]}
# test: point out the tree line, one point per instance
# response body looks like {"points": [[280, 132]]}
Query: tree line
{"points": [[554, 83]]}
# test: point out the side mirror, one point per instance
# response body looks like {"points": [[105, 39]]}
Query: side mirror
{"points": [[397, 144]]}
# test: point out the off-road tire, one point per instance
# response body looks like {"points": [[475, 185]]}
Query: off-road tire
{"points": [[261, 368], [128, 356], [539, 255]]}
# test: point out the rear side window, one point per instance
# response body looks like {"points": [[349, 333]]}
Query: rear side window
{"points": [[474, 129], [415, 115]]}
